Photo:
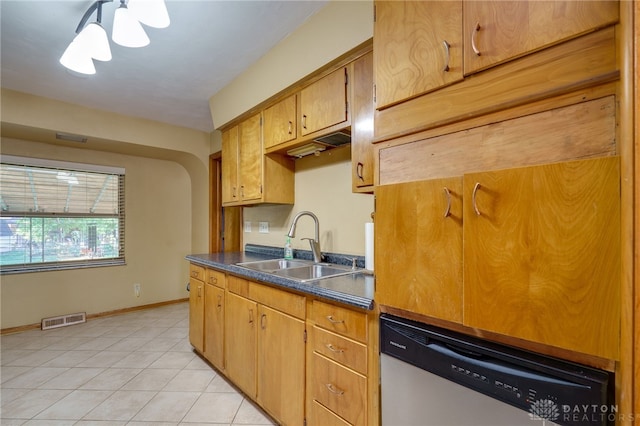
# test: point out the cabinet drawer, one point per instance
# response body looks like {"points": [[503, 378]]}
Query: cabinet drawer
{"points": [[340, 349], [238, 286], [341, 390], [289, 303], [215, 278], [196, 272], [320, 416], [340, 320]]}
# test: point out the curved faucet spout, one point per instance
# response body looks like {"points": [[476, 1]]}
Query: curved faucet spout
{"points": [[315, 243]]}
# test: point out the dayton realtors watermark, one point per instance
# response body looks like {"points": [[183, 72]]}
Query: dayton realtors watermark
{"points": [[546, 409]]}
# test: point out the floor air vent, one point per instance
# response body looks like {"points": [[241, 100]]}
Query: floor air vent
{"points": [[64, 320]]}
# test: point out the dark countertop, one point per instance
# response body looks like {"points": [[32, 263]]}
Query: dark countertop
{"points": [[355, 290]]}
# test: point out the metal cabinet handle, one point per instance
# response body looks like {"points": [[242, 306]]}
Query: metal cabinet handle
{"points": [[263, 321], [290, 127], [333, 348], [250, 316], [199, 291], [447, 55], [304, 121], [333, 320], [334, 389], [359, 170], [447, 211], [473, 198], [194, 274], [242, 191], [213, 280], [234, 192], [473, 39], [219, 302]]}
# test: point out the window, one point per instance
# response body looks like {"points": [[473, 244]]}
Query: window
{"points": [[59, 215]]}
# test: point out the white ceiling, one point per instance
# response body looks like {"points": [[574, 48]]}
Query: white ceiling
{"points": [[208, 44]]}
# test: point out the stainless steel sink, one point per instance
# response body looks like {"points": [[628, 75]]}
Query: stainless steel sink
{"points": [[273, 265], [299, 270], [315, 272]]}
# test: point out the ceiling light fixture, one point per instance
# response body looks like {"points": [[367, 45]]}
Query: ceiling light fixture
{"points": [[91, 41]]}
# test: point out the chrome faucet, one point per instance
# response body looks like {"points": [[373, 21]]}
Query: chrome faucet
{"points": [[314, 243]]}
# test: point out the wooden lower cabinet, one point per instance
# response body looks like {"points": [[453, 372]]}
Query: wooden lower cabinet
{"points": [[281, 365], [302, 360], [214, 302], [196, 307], [340, 372], [241, 342]]}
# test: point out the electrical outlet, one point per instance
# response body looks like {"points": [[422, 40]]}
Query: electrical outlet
{"points": [[263, 227], [136, 289], [247, 226]]}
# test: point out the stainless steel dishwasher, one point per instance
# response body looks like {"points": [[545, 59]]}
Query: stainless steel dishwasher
{"points": [[432, 376]]}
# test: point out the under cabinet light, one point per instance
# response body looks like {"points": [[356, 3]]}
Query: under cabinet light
{"points": [[308, 149]]}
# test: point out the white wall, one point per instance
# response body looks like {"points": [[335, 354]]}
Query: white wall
{"points": [[323, 186], [334, 30], [158, 237]]}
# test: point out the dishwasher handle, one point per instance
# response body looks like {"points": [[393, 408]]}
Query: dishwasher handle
{"points": [[475, 360]]}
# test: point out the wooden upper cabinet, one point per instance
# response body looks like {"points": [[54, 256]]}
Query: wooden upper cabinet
{"points": [[362, 156], [280, 124], [230, 185], [542, 254], [248, 175], [417, 48], [496, 31], [419, 247], [250, 142], [324, 103]]}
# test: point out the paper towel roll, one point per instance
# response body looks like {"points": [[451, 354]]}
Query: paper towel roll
{"points": [[368, 246]]}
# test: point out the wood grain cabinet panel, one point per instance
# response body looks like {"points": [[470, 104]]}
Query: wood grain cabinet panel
{"points": [[419, 247], [214, 325], [496, 31], [250, 164], [324, 103], [280, 122], [196, 310], [281, 365], [417, 47], [241, 341], [542, 254]]}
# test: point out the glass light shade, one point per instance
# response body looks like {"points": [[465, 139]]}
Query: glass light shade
{"points": [[76, 58], [150, 12], [96, 41], [127, 31]]}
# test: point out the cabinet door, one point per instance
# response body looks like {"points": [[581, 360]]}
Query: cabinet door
{"points": [[214, 325], [419, 247], [250, 141], [324, 103], [280, 122], [240, 332], [495, 31], [281, 372], [362, 158], [542, 254], [417, 47], [196, 314], [230, 190]]}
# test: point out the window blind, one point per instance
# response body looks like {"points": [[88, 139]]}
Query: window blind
{"points": [[69, 214]]}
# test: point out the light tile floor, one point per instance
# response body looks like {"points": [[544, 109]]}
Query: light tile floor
{"points": [[131, 369]]}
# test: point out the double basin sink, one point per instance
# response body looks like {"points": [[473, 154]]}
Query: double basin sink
{"points": [[299, 269]]}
